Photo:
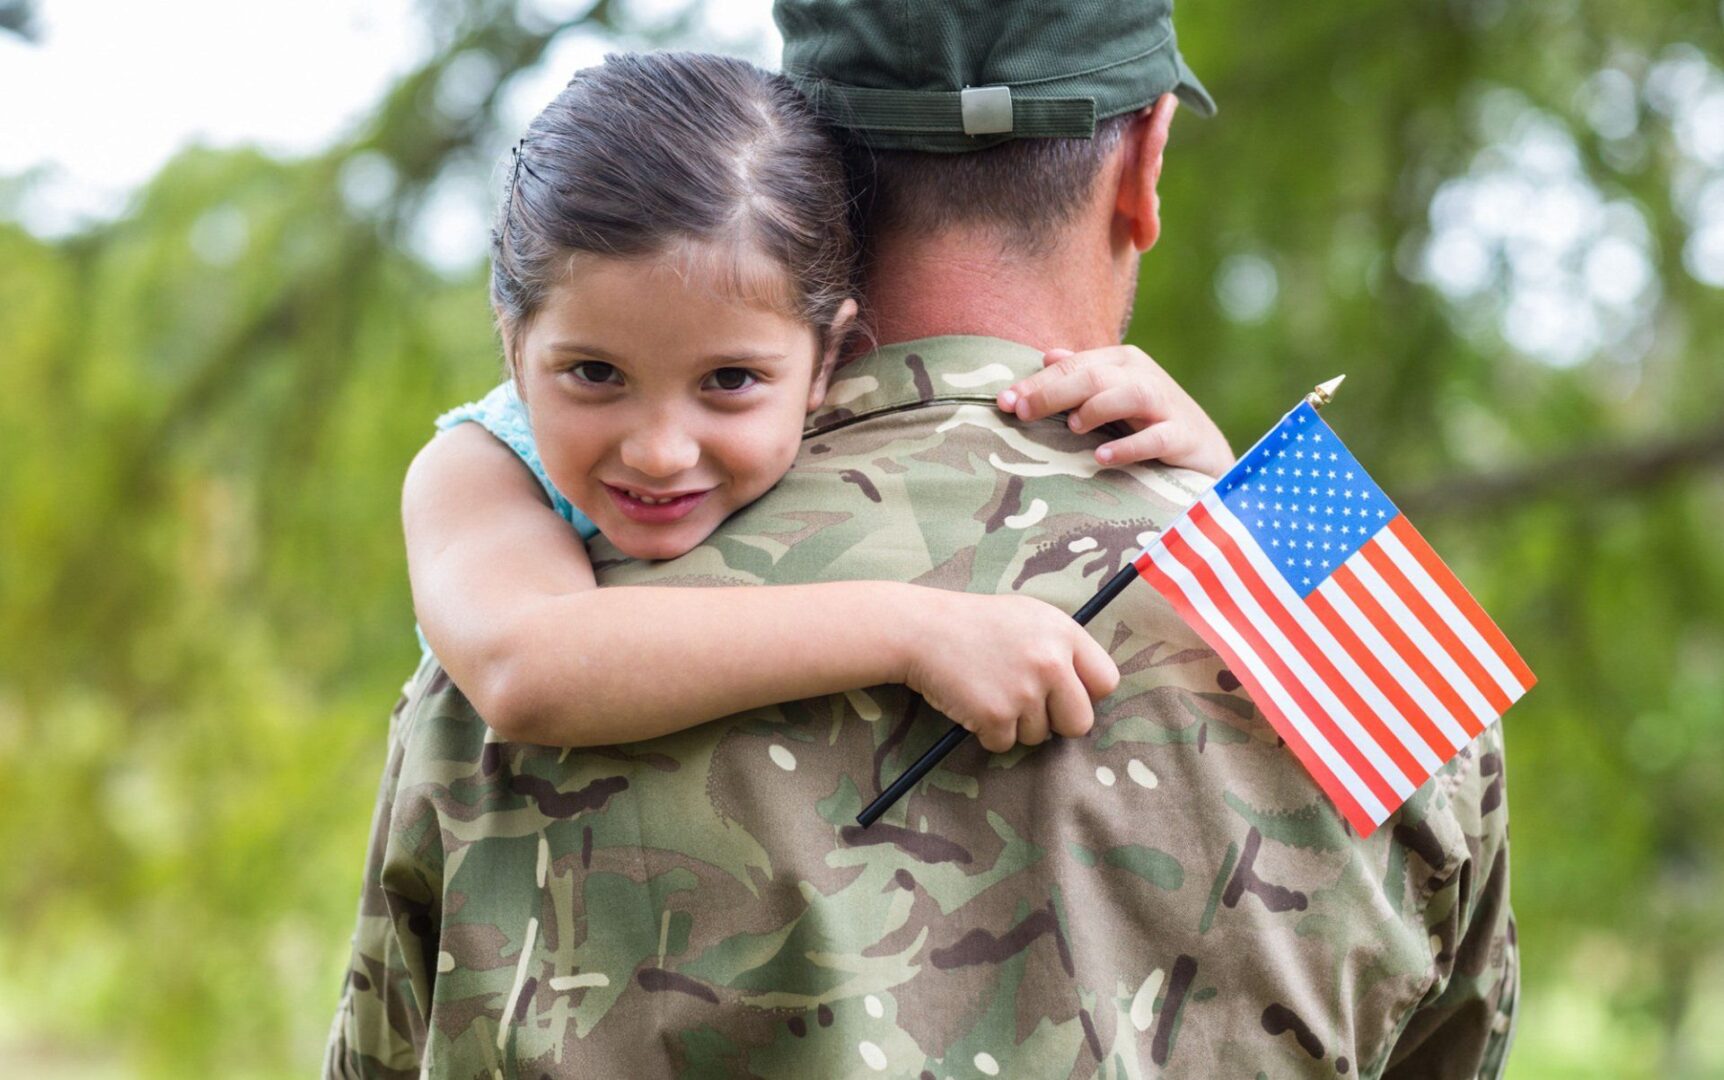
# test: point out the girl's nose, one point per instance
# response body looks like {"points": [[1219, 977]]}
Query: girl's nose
{"points": [[660, 448]]}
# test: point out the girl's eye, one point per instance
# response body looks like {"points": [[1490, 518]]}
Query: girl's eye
{"points": [[732, 378], [595, 371]]}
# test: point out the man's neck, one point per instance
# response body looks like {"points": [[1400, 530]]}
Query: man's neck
{"points": [[964, 284]]}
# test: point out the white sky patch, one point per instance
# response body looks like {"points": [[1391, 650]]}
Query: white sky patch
{"points": [[115, 90]]}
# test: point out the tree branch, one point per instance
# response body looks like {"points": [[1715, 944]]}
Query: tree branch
{"points": [[1581, 475]]}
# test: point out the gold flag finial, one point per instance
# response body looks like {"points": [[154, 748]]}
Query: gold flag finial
{"points": [[1324, 393]]}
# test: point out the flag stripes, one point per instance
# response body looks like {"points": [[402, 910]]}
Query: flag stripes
{"points": [[1278, 626], [1374, 678], [1422, 566], [1339, 666], [1172, 580]]}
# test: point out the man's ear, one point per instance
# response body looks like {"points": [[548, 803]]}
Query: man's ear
{"points": [[1138, 204], [836, 334]]}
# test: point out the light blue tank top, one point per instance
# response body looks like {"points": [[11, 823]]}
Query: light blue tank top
{"points": [[501, 413]]}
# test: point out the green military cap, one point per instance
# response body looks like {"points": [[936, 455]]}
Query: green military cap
{"points": [[955, 75]]}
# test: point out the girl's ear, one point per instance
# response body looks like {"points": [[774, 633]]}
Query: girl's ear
{"points": [[510, 336], [836, 335]]}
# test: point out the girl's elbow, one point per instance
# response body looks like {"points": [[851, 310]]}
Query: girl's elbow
{"points": [[521, 709], [504, 702]]}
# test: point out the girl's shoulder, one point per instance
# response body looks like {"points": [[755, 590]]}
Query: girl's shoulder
{"points": [[502, 413]]}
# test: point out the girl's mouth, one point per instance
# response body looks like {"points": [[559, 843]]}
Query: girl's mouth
{"points": [[650, 509]]}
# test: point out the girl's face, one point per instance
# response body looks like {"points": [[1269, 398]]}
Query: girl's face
{"points": [[661, 404]]}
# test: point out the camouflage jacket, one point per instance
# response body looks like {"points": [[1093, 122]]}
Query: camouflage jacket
{"points": [[1170, 896]]}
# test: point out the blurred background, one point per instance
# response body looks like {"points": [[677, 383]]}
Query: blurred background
{"points": [[242, 268]]}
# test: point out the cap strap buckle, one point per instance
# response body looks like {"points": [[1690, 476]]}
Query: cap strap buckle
{"points": [[997, 111], [986, 110]]}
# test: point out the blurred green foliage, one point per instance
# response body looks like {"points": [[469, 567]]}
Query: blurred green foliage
{"points": [[209, 405]]}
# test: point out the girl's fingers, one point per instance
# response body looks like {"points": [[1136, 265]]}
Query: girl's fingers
{"points": [[997, 738], [1153, 443], [1069, 710], [1008, 398], [1096, 671], [1033, 727], [1136, 402], [1062, 386]]}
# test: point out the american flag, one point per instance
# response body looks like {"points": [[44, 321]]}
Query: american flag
{"points": [[1368, 657]]}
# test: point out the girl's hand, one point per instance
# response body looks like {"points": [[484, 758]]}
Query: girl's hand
{"points": [[1122, 384], [1008, 668]]}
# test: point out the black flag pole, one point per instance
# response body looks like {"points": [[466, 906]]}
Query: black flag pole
{"points": [[883, 802], [1115, 585]]}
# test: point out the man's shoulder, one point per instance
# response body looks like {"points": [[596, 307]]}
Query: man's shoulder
{"points": [[910, 471]]}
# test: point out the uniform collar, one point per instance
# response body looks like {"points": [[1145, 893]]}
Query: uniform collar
{"points": [[910, 374]]}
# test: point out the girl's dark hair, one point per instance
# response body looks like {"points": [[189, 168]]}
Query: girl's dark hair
{"points": [[651, 151]]}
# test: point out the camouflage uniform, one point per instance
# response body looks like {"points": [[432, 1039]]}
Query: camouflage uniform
{"points": [[1170, 896]]}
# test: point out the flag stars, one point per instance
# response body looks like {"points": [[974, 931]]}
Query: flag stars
{"points": [[1334, 456], [1349, 475]]}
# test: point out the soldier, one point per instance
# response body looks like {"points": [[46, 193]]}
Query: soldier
{"points": [[1170, 895]]}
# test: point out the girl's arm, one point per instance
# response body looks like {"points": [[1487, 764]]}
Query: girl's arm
{"points": [[505, 594], [1122, 384]]}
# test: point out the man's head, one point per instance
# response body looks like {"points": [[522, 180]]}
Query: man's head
{"points": [[1033, 124]]}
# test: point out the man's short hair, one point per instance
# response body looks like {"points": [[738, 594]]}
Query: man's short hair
{"points": [[1025, 189]]}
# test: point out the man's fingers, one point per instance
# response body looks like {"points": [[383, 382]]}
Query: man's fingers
{"points": [[1153, 443]]}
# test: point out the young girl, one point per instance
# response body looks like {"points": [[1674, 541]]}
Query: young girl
{"points": [[672, 272]]}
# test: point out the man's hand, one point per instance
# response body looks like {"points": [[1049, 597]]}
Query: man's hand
{"points": [[1122, 384], [1010, 669]]}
